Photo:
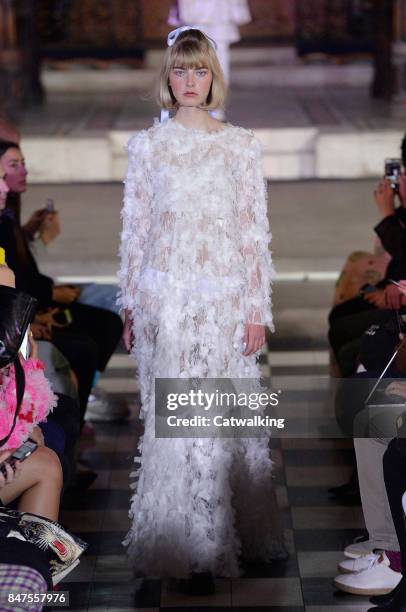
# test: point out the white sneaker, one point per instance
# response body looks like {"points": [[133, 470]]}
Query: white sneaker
{"points": [[352, 566], [360, 549], [377, 579]]}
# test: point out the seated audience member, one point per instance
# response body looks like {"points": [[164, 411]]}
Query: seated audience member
{"points": [[90, 339], [44, 226]]}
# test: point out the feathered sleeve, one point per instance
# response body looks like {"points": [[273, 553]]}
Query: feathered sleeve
{"points": [[136, 216], [255, 235]]}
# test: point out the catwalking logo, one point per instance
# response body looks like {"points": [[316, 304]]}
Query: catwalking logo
{"points": [[201, 399], [219, 421], [215, 407]]}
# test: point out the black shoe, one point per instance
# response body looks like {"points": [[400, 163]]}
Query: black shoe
{"points": [[398, 601], [201, 583], [347, 491], [384, 600]]}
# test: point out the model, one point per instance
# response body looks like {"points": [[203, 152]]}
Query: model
{"points": [[195, 286]]}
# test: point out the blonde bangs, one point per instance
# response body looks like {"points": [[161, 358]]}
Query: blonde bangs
{"points": [[189, 56], [191, 50]]}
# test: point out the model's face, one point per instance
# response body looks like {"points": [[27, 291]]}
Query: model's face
{"points": [[190, 86], [14, 167]]}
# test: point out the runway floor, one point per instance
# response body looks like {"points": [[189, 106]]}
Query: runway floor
{"points": [[317, 528]]}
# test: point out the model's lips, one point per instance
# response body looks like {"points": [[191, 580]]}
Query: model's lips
{"points": [[190, 93]]}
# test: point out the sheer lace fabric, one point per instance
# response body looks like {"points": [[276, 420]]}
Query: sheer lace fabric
{"points": [[195, 268]]}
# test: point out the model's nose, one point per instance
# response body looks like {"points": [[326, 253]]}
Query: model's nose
{"points": [[190, 78]]}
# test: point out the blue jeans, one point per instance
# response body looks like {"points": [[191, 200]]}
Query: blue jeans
{"points": [[102, 296]]}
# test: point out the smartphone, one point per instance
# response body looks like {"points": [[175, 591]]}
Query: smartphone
{"points": [[20, 454], [393, 169], [50, 206]]}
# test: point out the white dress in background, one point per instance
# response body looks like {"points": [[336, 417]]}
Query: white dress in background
{"points": [[195, 268]]}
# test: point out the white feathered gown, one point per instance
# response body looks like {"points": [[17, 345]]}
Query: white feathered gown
{"points": [[195, 268]]}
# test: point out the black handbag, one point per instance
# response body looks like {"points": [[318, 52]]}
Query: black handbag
{"points": [[16, 312]]}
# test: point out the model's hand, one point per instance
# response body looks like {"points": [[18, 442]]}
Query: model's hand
{"points": [[254, 338], [385, 198], [377, 298], [128, 335], [65, 294]]}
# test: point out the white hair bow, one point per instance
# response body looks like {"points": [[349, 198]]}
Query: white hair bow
{"points": [[172, 36]]}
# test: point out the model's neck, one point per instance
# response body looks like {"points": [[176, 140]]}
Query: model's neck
{"points": [[192, 117]]}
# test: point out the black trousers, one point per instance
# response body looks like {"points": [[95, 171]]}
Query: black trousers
{"points": [[348, 322], [88, 343], [68, 415], [394, 469]]}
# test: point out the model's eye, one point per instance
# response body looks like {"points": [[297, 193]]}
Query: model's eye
{"points": [[201, 73], [179, 72]]}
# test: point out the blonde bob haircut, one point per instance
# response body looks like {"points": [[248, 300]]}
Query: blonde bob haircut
{"points": [[192, 49]]}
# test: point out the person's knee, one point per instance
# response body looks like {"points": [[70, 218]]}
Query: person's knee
{"points": [[48, 466]]}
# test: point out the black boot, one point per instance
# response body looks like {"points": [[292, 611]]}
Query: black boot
{"points": [[384, 600], [398, 603]]}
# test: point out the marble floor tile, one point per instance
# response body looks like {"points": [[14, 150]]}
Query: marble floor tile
{"points": [[336, 517], [325, 539], [314, 476], [322, 564], [266, 592], [113, 568], [84, 572], [116, 520], [319, 591], [222, 596]]}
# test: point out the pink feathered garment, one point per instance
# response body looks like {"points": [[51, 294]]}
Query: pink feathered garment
{"points": [[38, 401]]}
